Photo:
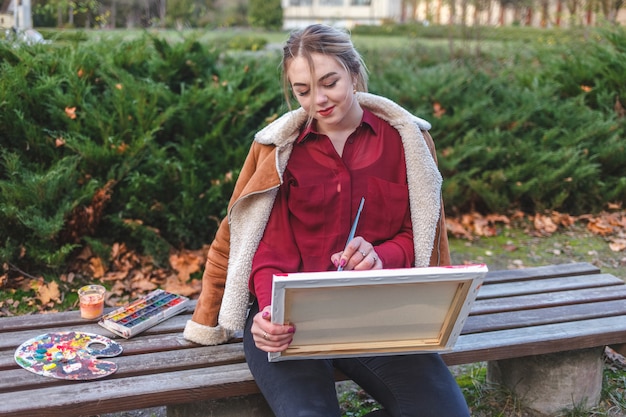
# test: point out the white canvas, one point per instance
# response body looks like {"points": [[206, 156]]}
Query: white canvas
{"points": [[364, 313]]}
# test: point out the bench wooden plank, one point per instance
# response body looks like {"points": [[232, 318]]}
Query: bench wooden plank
{"points": [[11, 340], [523, 302], [537, 340], [61, 319], [145, 364], [540, 272], [510, 289], [134, 346], [110, 395], [539, 316]]}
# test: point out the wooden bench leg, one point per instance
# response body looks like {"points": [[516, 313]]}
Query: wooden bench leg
{"points": [[253, 405], [553, 382]]}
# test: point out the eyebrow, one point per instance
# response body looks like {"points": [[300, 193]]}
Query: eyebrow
{"points": [[324, 77]]}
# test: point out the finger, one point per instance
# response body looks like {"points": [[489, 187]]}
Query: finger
{"points": [[350, 250], [266, 313], [369, 261], [273, 342]]}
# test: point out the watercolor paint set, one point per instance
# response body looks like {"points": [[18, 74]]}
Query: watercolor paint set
{"points": [[143, 313]]}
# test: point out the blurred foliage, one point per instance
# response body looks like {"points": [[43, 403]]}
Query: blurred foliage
{"points": [[139, 140], [136, 141]]}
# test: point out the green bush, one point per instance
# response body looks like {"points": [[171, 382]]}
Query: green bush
{"points": [[534, 130], [156, 128], [140, 141], [265, 14]]}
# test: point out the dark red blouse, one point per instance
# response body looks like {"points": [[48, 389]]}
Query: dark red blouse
{"points": [[319, 198]]}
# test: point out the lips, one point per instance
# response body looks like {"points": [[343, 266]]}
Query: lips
{"points": [[326, 112]]}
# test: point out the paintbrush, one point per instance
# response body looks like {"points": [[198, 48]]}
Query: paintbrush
{"points": [[354, 224]]}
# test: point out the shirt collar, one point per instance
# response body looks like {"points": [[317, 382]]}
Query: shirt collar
{"points": [[311, 128]]}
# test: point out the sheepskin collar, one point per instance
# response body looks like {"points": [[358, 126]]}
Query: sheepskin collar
{"points": [[281, 132]]}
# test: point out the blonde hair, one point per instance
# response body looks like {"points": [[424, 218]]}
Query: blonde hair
{"points": [[326, 40]]}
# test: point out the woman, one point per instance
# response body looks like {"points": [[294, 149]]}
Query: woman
{"points": [[291, 211]]}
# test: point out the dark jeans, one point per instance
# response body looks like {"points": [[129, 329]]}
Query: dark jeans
{"points": [[417, 385]]}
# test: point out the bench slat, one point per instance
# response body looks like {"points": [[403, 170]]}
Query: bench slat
{"points": [[523, 302], [110, 395], [537, 340], [61, 319], [539, 316], [510, 289], [153, 343], [145, 364], [11, 340], [540, 272]]}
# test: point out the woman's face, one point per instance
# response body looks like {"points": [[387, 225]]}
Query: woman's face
{"points": [[332, 102]]}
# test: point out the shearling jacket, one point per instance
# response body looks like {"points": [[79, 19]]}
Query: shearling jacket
{"points": [[223, 301]]}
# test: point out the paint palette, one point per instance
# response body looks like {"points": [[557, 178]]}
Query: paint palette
{"points": [[68, 355], [143, 313]]}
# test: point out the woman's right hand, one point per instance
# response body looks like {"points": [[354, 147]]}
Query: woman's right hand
{"points": [[268, 336]]}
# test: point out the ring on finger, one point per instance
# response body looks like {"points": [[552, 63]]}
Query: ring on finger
{"points": [[363, 253], [265, 336]]}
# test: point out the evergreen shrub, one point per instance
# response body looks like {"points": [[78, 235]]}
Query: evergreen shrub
{"points": [[539, 128], [136, 141], [140, 141]]}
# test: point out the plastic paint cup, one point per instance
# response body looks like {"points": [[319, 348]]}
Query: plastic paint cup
{"points": [[91, 299]]}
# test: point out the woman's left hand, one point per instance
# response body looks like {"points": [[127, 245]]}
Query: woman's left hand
{"points": [[268, 336], [358, 255]]}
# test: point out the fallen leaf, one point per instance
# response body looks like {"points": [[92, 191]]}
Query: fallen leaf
{"points": [[97, 267], [544, 224], [599, 226], [617, 245], [455, 227], [186, 263], [509, 247], [47, 292]]}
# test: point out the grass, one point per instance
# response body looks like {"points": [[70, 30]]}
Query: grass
{"points": [[515, 248], [361, 41]]}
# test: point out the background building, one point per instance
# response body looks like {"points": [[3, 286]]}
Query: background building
{"points": [[6, 14], [539, 13]]}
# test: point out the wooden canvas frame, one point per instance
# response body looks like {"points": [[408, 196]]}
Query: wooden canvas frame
{"points": [[376, 312]]}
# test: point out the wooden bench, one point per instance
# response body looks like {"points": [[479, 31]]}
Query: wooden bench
{"points": [[525, 313]]}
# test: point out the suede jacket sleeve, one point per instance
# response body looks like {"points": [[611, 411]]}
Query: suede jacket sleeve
{"points": [[204, 327]]}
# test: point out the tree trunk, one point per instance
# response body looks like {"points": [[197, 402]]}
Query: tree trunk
{"points": [[163, 12]]}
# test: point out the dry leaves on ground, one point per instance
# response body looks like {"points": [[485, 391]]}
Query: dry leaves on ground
{"points": [[128, 274], [609, 224]]}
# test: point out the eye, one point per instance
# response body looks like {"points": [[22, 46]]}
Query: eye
{"points": [[331, 85], [302, 93]]}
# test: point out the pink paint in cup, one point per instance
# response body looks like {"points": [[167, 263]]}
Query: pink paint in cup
{"points": [[91, 299]]}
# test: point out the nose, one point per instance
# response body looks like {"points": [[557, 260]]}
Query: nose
{"points": [[320, 97]]}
